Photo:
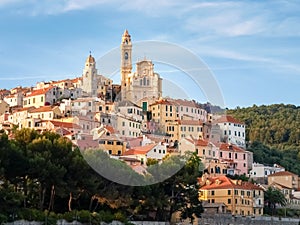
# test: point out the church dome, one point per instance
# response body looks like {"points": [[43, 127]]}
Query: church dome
{"points": [[90, 59]]}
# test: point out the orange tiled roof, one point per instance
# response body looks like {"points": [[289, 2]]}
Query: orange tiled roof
{"points": [[24, 109], [141, 150], [230, 147], [65, 124], [42, 109], [282, 173], [223, 182], [39, 91], [190, 122], [198, 142], [227, 118]]}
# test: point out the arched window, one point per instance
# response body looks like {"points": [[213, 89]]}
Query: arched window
{"points": [[126, 55]]}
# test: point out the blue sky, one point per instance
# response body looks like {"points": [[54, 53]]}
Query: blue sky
{"points": [[251, 47]]}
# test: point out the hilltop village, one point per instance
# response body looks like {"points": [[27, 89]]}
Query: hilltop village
{"points": [[134, 122]]}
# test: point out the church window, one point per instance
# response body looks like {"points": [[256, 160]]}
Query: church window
{"points": [[126, 55], [148, 82], [141, 82], [144, 81]]}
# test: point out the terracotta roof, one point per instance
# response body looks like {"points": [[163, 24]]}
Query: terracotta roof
{"points": [[42, 109], [190, 122], [76, 79], [39, 91], [162, 102], [141, 150], [227, 118], [24, 109], [64, 124], [229, 147], [198, 142], [282, 173], [223, 182], [111, 129]]}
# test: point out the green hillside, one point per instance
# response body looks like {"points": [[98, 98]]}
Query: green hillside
{"points": [[275, 125], [273, 134]]}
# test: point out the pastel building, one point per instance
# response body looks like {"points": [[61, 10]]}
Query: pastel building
{"points": [[240, 198], [232, 130]]}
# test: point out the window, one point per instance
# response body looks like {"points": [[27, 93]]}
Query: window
{"points": [[229, 201], [102, 142], [159, 151], [225, 133], [229, 192], [129, 111], [230, 155], [110, 142], [110, 152], [221, 154], [212, 201], [119, 152], [235, 155], [154, 150], [212, 192], [118, 143], [123, 123], [203, 151], [244, 156], [235, 201], [236, 192]]}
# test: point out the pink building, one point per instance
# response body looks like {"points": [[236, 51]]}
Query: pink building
{"points": [[240, 161]]}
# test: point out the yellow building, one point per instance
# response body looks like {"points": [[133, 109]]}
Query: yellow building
{"points": [[111, 143], [284, 178], [240, 198]]}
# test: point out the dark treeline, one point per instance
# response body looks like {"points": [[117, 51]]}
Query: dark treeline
{"points": [[272, 133], [45, 172]]}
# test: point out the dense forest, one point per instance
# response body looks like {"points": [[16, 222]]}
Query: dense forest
{"points": [[45, 176], [272, 133]]}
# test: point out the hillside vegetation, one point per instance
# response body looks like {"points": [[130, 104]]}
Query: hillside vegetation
{"points": [[275, 125], [273, 134]]}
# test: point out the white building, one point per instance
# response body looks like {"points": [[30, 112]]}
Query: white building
{"points": [[263, 171], [129, 109], [41, 97], [14, 99], [232, 130]]}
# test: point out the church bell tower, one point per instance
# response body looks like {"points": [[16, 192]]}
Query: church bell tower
{"points": [[126, 64]]}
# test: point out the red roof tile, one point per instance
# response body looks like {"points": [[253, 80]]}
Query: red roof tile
{"points": [[223, 182], [141, 150], [227, 118], [39, 91], [229, 147], [65, 124], [282, 173], [42, 109]]}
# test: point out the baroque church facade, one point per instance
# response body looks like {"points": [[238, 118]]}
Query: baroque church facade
{"points": [[142, 87]]}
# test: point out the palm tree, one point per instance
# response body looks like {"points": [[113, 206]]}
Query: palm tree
{"points": [[274, 197]]}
